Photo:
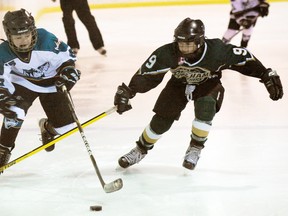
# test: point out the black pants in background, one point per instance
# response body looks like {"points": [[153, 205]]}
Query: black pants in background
{"points": [[84, 14]]}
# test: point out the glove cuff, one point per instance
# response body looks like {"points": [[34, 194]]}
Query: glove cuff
{"points": [[267, 74], [128, 90]]}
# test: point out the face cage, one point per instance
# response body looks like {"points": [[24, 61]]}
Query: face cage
{"points": [[187, 48], [17, 49]]}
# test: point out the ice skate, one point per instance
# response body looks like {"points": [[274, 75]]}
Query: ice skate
{"points": [[75, 51], [102, 51], [191, 157], [5, 155], [134, 156], [46, 135]]}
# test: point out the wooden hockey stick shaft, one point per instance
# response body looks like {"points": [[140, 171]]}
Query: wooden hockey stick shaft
{"points": [[61, 137], [240, 13], [110, 187], [236, 33]]}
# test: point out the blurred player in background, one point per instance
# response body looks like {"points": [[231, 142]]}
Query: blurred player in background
{"points": [[196, 64], [33, 64], [243, 17], [83, 12]]}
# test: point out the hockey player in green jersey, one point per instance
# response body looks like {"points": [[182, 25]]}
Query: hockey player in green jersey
{"points": [[196, 64], [32, 62]]}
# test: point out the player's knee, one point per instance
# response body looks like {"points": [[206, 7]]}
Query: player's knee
{"points": [[160, 124], [205, 108], [10, 131], [12, 123]]}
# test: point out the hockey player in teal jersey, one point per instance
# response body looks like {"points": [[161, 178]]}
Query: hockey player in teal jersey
{"points": [[196, 64], [34, 63]]}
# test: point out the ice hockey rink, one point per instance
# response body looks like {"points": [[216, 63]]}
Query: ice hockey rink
{"points": [[243, 169]]}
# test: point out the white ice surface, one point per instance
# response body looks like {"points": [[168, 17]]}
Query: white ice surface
{"points": [[242, 171]]}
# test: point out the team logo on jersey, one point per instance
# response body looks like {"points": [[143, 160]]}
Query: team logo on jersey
{"points": [[193, 75], [38, 72]]}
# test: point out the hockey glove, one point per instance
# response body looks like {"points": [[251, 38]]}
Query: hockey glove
{"points": [[121, 99], [273, 84], [68, 77], [247, 23], [264, 9], [7, 100]]}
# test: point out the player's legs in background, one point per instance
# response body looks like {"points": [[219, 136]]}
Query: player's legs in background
{"points": [[231, 32], [67, 8], [83, 12]]}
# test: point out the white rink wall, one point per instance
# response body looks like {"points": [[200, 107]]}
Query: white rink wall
{"points": [[37, 5], [43, 6], [40, 7]]}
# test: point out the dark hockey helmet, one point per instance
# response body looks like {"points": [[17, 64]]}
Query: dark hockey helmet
{"points": [[190, 30], [17, 23]]}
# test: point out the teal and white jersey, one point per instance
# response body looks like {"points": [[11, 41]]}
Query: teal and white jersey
{"points": [[37, 72]]}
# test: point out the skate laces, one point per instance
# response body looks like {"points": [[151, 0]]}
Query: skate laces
{"points": [[134, 156], [192, 155]]}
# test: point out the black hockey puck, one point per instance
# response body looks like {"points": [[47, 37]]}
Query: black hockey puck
{"points": [[95, 208]]}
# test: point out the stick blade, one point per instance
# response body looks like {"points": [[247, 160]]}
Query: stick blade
{"points": [[113, 186]]}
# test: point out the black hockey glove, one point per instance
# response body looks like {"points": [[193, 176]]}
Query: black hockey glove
{"points": [[121, 99], [7, 100], [273, 84], [68, 77], [264, 9]]}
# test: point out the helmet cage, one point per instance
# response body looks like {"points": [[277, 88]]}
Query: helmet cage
{"points": [[17, 23]]}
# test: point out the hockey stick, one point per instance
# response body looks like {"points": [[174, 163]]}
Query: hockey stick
{"points": [[240, 13], [236, 33], [68, 133], [110, 187]]}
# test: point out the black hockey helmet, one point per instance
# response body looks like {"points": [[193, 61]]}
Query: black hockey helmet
{"points": [[17, 23], [190, 30]]}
